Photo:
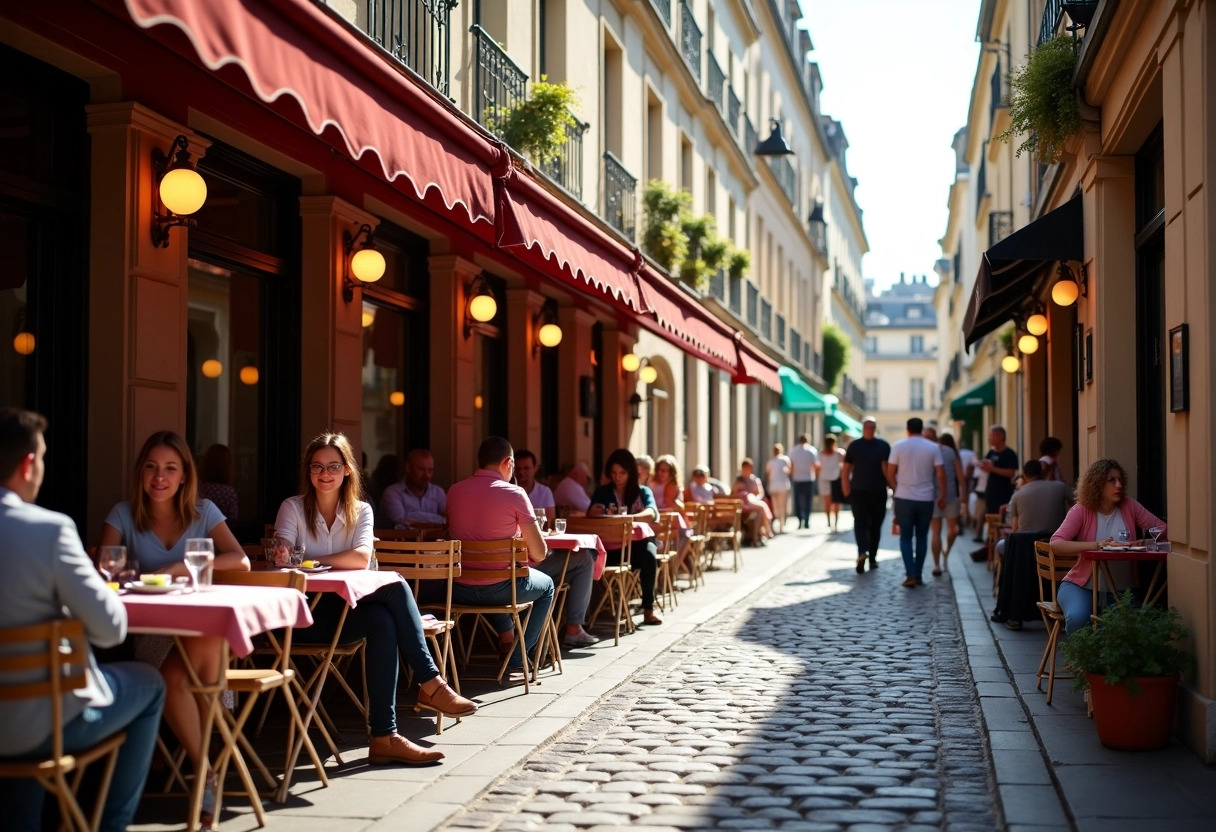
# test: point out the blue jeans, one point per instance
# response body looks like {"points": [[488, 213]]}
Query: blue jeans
{"points": [[804, 498], [389, 620], [914, 517], [578, 576], [139, 696], [536, 587], [1077, 602]]}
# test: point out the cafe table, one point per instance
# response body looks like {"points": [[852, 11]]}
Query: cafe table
{"points": [[581, 541], [1101, 558], [351, 585], [235, 615]]}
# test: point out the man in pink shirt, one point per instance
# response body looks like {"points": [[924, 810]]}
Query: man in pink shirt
{"points": [[486, 506]]}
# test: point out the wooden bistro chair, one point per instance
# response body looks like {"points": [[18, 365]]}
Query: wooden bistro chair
{"points": [[59, 663], [495, 561], [726, 527], [667, 540], [618, 581], [1051, 569], [429, 561], [548, 651], [697, 515], [253, 682]]}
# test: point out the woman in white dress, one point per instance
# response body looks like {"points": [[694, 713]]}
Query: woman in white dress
{"points": [[779, 484], [828, 467]]}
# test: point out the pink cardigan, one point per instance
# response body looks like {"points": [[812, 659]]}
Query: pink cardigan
{"points": [[1081, 523]]}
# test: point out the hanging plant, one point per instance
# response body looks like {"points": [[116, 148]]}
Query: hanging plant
{"points": [[740, 263], [663, 211], [537, 127], [1043, 103]]}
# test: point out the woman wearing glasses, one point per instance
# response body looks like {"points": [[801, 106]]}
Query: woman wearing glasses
{"points": [[335, 528]]}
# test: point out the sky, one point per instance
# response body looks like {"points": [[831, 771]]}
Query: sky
{"points": [[897, 74]]}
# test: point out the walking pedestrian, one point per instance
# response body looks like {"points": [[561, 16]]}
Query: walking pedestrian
{"points": [[956, 505], [803, 459], [913, 467], [863, 479]]}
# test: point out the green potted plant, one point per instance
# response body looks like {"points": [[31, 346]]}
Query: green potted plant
{"points": [[1043, 103], [537, 127], [664, 209], [1130, 663], [740, 263]]}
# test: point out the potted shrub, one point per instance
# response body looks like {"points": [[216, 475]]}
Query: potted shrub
{"points": [[1043, 103], [537, 127], [663, 211], [1130, 663]]}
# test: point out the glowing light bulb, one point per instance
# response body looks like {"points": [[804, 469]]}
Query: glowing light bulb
{"points": [[648, 375], [483, 308], [550, 335], [396, 398], [367, 265], [630, 362], [1036, 324], [1010, 364], [369, 318], [212, 368], [1028, 344], [1065, 292], [249, 375], [477, 402], [24, 343], [183, 191]]}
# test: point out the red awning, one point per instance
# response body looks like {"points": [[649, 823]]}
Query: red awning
{"points": [[755, 367], [561, 242], [295, 48], [684, 322]]}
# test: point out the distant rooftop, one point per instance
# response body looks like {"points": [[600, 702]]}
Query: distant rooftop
{"points": [[906, 304]]}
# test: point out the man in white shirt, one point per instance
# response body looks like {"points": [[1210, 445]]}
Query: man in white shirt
{"points": [[415, 499], [572, 490], [581, 565], [803, 459], [913, 468]]}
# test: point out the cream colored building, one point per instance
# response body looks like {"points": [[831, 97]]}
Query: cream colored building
{"points": [[901, 378]]}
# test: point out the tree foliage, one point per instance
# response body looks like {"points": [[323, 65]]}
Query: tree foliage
{"points": [[835, 354]]}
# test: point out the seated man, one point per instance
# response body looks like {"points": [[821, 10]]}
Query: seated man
{"points": [[1039, 505], [572, 490], [415, 499], [48, 575], [702, 488], [581, 564], [486, 506]]}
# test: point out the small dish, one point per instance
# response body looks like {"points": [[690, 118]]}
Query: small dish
{"points": [[149, 589], [312, 570]]}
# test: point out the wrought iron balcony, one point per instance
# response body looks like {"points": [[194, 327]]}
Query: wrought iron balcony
{"points": [[417, 33], [753, 305], [1000, 89], [750, 138], [1080, 13], [1000, 226], [567, 169], [733, 107], [787, 178], [663, 9], [795, 344], [620, 196], [780, 331], [766, 319], [499, 84], [716, 82], [690, 39], [981, 185]]}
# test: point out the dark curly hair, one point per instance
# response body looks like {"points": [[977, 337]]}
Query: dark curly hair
{"points": [[1091, 483]]}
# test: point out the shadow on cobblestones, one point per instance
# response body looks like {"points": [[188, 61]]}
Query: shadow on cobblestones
{"points": [[829, 701]]}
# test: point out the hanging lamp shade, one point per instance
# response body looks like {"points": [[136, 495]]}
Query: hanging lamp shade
{"points": [[775, 144]]}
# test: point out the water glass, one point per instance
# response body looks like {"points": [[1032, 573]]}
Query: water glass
{"points": [[559, 525], [200, 556], [541, 518], [1124, 537], [111, 560], [297, 555]]}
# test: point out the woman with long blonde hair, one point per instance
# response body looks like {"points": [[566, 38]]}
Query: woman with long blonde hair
{"points": [[334, 526], [666, 485]]}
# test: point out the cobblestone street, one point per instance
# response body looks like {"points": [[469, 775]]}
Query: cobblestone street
{"points": [[829, 700]]}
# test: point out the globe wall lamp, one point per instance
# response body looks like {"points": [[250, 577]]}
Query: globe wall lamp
{"points": [[1010, 364], [1068, 288], [364, 265], [775, 144], [1036, 324], [647, 372], [481, 307], [177, 188], [1028, 344], [546, 331]]}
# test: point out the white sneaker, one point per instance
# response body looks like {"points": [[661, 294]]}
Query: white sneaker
{"points": [[580, 639]]}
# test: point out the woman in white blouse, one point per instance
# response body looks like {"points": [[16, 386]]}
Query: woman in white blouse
{"points": [[335, 528]]}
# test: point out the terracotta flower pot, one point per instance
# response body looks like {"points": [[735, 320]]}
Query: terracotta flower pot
{"points": [[1134, 723]]}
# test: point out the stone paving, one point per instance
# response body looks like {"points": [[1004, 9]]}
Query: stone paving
{"points": [[827, 701]]}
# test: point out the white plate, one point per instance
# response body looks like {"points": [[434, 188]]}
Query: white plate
{"points": [[148, 589], [312, 570], [1124, 548]]}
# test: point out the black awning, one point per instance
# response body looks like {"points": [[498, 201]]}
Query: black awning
{"points": [[1009, 271]]}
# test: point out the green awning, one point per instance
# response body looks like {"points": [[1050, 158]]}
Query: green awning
{"points": [[839, 422], [797, 396], [978, 396]]}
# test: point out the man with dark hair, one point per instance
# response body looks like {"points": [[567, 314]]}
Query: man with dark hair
{"points": [[914, 464], [486, 506], [864, 482], [49, 576], [803, 459], [415, 499], [1040, 504], [1049, 456], [1001, 464]]}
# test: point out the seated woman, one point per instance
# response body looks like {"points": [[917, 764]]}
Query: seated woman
{"points": [[752, 495], [163, 512], [637, 501], [668, 493], [1100, 513], [335, 528]]}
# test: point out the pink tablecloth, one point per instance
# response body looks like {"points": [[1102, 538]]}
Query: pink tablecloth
{"points": [[641, 531], [237, 613], [582, 541], [351, 584]]}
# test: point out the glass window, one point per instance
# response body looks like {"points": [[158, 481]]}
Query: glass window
{"points": [[918, 344], [871, 344], [872, 393], [916, 394], [386, 399]]}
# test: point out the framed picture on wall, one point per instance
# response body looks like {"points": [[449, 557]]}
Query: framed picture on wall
{"points": [[1078, 357], [1089, 357], [1179, 370]]}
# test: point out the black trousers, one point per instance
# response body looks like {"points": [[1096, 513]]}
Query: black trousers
{"points": [[869, 511], [643, 559]]}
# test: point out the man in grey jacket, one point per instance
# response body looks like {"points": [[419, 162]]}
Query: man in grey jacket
{"points": [[48, 575]]}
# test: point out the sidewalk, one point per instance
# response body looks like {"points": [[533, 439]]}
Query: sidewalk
{"points": [[508, 727], [1057, 775]]}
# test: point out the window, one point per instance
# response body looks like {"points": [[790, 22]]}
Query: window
{"points": [[871, 345], [916, 394], [914, 312], [918, 344], [872, 393]]}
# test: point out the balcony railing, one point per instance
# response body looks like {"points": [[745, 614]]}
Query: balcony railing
{"points": [[1080, 12], [1000, 226], [750, 138], [690, 39], [663, 9], [499, 83], [733, 107], [795, 344], [1000, 89], [981, 186], [567, 169], [417, 33], [620, 198], [716, 82], [781, 332], [753, 305], [766, 319], [736, 296], [787, 179]]}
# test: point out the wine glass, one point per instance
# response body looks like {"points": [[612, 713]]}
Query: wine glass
{"points": [[200, 551], [1155, 532], [111, 560], [541, 518]]}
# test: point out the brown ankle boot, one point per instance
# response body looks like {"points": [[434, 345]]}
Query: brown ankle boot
{"points": [[446, 701], [394, 748]]}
